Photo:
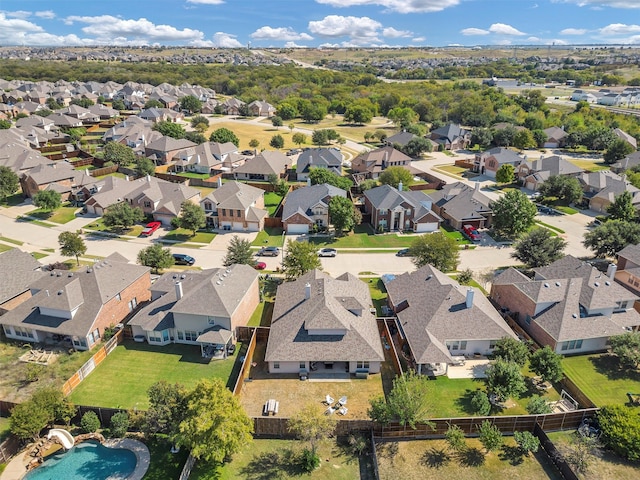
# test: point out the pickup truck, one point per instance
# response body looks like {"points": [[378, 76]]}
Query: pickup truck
{"points": [[150, 228]]}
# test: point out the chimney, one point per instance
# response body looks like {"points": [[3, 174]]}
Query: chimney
{"points": [[308, 182], [385, 159], [219, 181], [399, 186], [611, 271], [149, 178], [469, 297], [179, 292], [198, 159], [307, 291], [477, 187]]}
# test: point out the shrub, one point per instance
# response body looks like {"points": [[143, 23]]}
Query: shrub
{"points": [[90, 422], [33, 372], [480, 403], [119, 424], [538, 405], [309, 460]]}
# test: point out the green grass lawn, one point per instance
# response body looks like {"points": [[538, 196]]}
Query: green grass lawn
{"points": [[164, 464], [271, 202], [378, 293], [13, 200], [455, 234], [11, 240], [600, 379], [550, 227], [99, 226], [363, 237], [279, 459], [61, 215], [182, 235], [202, 176], [5, 428], [4, 248], [122, 380], [269, 237], [39, 255]]}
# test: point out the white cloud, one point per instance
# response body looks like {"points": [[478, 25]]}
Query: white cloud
{"points": [[419, 39], [503, 42], [557, 41], [226, 40], [618, 29], [400, 6], [504, 29], [47, 14], [474, 31], [604, 3], [18, 14], [391, 32], [281, 33], [333, 26], [532, 40], [294, 45], [206, 2], [573, 31]]}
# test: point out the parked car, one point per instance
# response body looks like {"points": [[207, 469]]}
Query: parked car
{"points": [[231, 349], [471, 232], [293, 151], [327, 252], [269, 252], [182, 259], [405, 252], [247, 152], [259, 265], [150, 228]]}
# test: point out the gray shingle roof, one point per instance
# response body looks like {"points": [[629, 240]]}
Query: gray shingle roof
{"points": [[319, 157], [266, 163], [631, 253], [24, 270], [235, 195], [302, 199]]}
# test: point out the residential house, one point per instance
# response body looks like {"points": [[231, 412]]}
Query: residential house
{"points": [[556, 137], [630, 161], [262, 166], [622, 135], [488, 163], [103, 112], [601, 189], [24, 270], [627, 271], [199, 308], [235, 206], [62, 120], [324, 324], [611, 99], [404, 211], [459, 204], [156, 115], [400, 138], [372, 163], [232, 106], [85, 115], [260, 108], [207, 158], [329, 158], [451, 137], [308, 206], [58, 176], [532, 174], [581, 95], [441, 319], [78, 306], [569, 305], [18, 156], [162, 150], [44, 123]]}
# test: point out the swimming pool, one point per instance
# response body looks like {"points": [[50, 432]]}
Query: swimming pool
{"points": [[86, 461]]}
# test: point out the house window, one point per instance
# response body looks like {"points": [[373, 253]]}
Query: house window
{"points": [[527, 319], [382, 212], [622, 305], [190, 336], [276, 365], [224, 212], [147, 204], [454, 345], [23, 332], [239, 213], [231, 213], [408, 212], [155, 337], [133, 303], [572, 345], [303, 365], [211, 320], [165, 335], [80, 342], [492, 344], [180, 335], [362, 365], [118, 297], [207, 206], [463, 345]]}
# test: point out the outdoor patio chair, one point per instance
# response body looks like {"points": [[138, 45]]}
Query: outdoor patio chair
{"points": [[343, 410], [343, 401], [329, 411], [329, 400]]}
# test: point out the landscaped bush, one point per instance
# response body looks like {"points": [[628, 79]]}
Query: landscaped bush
{"points": [[538, 405], [119, 424], [90, 422], [480, 403], [309, 460]]}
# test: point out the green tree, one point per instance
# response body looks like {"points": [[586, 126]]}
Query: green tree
{"points": [[195, 137], [224, 135], [192, 217], [539, 248], [505, 136], [191, 104], [395, 175], [199, 120], [416, 147], [118, 153], [538, 406], [122, 215], [153, 103], [167, 407], [622, 208], [480, 403], [319, 176], [511, 350], [454, 437], [527, 442], [254, 143], [368, 184], [47, 200], [617, 151], [311, 425], [547, 363], [145, 166], [344, 214], [9, 183], [626, 347], [483, 137], [215, 425], [505, 173], [72, 245], [490, 436], [286, 111], [465, 277], [562, 187], [155, 257], [170, 129], [277, 141], [118, 425], [505, 380], [276, 121], [358, 114], [238, 251], [513, 214], [320, 137], [27, 419], [5, 124], [118, 104], [83, 102], [435, 249], [611, 237], [90, 423], [301, 258], [299, 138], [620, 426], [402, 116], [524, 140]]}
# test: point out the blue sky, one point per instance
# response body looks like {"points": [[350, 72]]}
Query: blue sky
{"points": [[314, 23]]}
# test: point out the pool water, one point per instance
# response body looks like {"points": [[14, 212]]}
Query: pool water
{"points": [[86, 461]]}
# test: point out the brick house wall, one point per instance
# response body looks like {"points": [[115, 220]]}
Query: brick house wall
{"points": [[296, 219], [247, 306]]}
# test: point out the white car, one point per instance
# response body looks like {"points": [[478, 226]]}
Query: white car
{"points": [[327, 252]]}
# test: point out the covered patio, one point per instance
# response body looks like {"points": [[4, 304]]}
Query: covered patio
{"points": [[214, 342]]}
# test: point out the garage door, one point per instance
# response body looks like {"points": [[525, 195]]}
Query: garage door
{"points": [[550, 145], [297, 228], [530, 186], [426, 227], [238, 226]]}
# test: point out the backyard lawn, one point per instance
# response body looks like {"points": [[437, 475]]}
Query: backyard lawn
{"points": [[122, 379], [588, 165], [271, 202], [433, 459], [600, 379]]}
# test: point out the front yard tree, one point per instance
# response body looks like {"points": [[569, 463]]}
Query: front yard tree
{"points": [[9, 183], [513, 214], [299, 138], [238, 251], [511, 350], [505, 173], [170, 129], [627, 348], [311, 425], [47, 200], [611, 237], [527, 442], [620, 427], [155, 257], [277, 141], [254, 143], [323, 175], [344, 214], [617, 151], [192, 217], [395, 175], [358, 114], [200, 123], [490, 436], [505, 380], [538, 248], [547, 363], [72, 245], [435, 249], [191, 104], [122, 216], [224, 135], [215, 425], [276, 121], [622, 208], [118, 153], [167, 407], [562, 187], [417, 147], [301, 258], [145, 166]]}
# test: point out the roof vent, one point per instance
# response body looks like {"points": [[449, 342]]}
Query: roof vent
{"points": [[183, 276], [597, 284], [70, 274], [546, 285], [429, 277], [607, 283], [557, 284], [574, 315], [175, 276], [218, 282], [52, 273], [60, 292], [59, 274]]}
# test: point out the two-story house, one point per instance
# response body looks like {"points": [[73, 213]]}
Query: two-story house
{"points": [[328, 158], [532, 174], [372, 163], [235, 206], [488, 163], [451, 137], [458, 204], [308, 206]]}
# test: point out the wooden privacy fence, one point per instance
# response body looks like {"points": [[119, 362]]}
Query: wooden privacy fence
{"points": [[9, 448], [383, 327], [573, 390], [92, 363], [188, 466], [246, 365], [553, 453]]}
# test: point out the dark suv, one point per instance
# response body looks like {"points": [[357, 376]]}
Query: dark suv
{"points": [[182, 259], [269, 252]]}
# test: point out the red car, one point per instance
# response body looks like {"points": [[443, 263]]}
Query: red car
{"points": [[471, 232], [150, 228], [259, 265]]}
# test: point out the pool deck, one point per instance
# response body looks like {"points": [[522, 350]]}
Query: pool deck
{"points": [[17, 467]]}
